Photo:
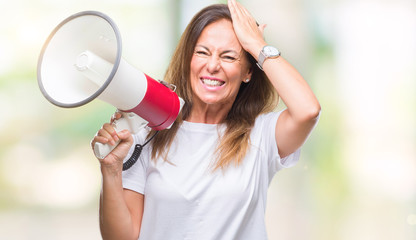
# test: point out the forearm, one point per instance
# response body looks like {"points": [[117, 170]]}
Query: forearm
{"points": [[301, 102], [115, 218], [292, 88]]}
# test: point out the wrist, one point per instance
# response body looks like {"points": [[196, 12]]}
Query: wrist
{"points": [[256, 48], [111, 170], [267, 52]]}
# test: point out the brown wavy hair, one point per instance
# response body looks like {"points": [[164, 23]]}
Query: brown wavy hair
{"points": [[253, 98]]}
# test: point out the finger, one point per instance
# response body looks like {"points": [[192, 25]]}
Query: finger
{"points": [[241, 16], [108, 132], [122, 149], [115, 116], [104, 136], [99, 139], [235, 12], [233, 9], [230, 3], [262, 27], [241, 9], [92, 143], [238, 9], [125, 135], [110, 129]]}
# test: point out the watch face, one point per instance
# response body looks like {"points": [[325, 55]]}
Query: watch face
{"points": [[271, 51]]}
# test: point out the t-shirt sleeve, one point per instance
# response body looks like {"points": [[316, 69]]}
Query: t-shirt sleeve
{"points": [[134, 178], [276, 163]]}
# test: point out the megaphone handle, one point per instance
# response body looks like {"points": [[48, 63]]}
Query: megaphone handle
{"points": [[128, 121]]}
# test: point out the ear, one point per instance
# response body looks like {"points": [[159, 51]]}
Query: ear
{"points": [[248, 74]]}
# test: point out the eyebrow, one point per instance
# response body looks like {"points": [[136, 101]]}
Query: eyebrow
{"points": [[224, 52]]}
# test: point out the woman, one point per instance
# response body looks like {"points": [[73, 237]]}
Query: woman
{"points": [[207, 176]]}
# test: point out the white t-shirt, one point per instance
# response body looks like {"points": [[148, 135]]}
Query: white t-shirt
{"points": [[184, 199]]}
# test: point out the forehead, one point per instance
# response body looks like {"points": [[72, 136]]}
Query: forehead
{"points": [[219, 35]]}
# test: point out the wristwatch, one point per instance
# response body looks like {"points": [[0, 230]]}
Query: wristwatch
{"points": [[265, 53]]}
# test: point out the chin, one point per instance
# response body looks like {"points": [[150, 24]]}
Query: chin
{"points": [[210, 101]]}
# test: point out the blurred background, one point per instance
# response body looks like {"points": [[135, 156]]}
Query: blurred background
{"points": [[357, 174]]}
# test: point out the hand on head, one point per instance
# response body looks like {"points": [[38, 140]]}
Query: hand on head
{"points": [[247, 30]]}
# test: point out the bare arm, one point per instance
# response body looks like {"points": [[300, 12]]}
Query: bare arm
{"points": [[297, 121], [121, 210]]}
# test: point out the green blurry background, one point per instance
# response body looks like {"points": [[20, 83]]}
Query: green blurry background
{"points": [[357, 174]]}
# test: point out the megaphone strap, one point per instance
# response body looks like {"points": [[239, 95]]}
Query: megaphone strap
{"points": [[136, 153]]}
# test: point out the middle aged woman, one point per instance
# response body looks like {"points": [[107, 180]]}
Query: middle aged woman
{"points": [[207, 176]]}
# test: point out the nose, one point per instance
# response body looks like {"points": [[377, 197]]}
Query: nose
{"points": [[213, 64]]}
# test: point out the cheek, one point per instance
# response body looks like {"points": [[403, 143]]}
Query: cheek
{"points": [[192, 63], [237, 74], [195, 65], [235, 79], [193, 71]]}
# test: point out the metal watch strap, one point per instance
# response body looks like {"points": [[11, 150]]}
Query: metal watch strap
{"points": [[271, 52], [260, 62]]}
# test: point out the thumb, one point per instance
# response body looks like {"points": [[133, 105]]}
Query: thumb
{"points": [[120, 152], [125, 136], [262, 27]]}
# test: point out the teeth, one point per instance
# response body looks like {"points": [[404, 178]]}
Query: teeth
{"points": [[212, 82]]}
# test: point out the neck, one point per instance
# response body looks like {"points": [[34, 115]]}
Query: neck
{"points": [[208, 113]]}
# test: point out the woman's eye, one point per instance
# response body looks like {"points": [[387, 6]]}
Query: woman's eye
{"points": [[202, 53], [229, 58]]}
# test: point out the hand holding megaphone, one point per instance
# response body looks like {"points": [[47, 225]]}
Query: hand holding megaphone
{"points": [[127, 121], [107, 139], [81, 61]]}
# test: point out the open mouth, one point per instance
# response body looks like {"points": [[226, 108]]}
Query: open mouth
{"points": [[212, 82]]}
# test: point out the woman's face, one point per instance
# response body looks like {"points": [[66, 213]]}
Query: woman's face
{"points": [[218, 65]]}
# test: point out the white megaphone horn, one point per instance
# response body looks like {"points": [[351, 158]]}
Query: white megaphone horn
{"points": [[81, 61]]}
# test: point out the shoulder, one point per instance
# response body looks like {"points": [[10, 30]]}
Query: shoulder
{"points": [[267, 119], [264, 127]]}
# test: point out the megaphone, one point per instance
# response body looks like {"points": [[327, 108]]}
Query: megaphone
{"points": [[81, 61]]}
